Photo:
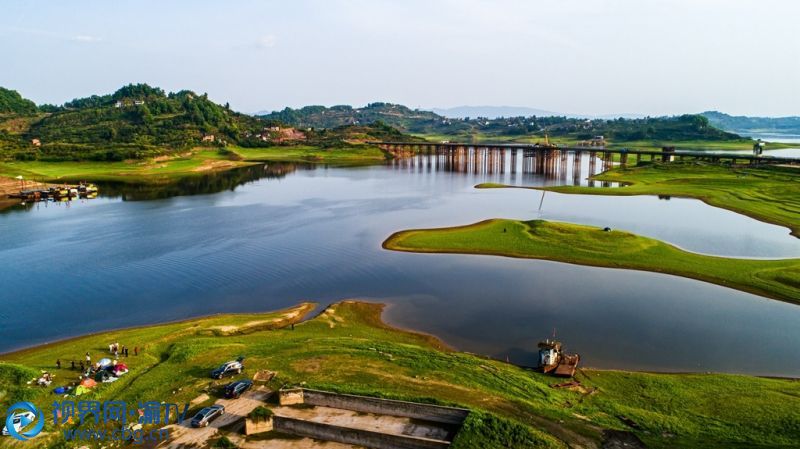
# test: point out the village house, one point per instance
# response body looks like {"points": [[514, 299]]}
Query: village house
{"points": [[208, 138], [118, 104], [36, 142], [138, 102]]}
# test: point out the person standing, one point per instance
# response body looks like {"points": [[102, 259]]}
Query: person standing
{"points": [[135, 350], [72, 365], [58, 363]]}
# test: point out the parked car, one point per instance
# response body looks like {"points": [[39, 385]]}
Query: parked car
{"points": [[235, 389], [204, 417], [20, 420], [228, 369]]}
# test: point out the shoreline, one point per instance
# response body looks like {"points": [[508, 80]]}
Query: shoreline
{"points": [[312, 310], [21, 351], [350, 348]]}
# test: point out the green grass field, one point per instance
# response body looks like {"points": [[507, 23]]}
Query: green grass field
{"points": [[151, 170], [585, 245], [770, 194], [357, 155], [347, 348], [192, 163]]}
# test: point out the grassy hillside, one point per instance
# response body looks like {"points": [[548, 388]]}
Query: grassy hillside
{"points": [[139, 121], [586, 245], [134, 122], [348, 349]]}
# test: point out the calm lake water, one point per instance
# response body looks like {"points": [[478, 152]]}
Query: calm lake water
{"points": [[263, 238]]}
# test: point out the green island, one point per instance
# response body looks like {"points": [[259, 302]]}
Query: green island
{"points": [[586, 245], [347, 348]]}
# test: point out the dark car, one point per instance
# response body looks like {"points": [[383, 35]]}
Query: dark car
{"points": [[206, 415], [228, 369], [235, 389]]}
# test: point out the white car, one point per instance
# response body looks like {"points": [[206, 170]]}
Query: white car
{"points": [[229, 368], [20, 420]]}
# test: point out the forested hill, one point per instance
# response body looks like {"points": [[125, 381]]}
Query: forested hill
{"points": [[140, 121], [136, 119], [11, 102], [683, 127], [754, 125], [330, 117]]}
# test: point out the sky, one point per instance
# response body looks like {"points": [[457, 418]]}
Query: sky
{"points": [[582, 57]]}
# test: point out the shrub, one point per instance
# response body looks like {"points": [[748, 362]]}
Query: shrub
{"points": [[224, 442], [259, 414]]}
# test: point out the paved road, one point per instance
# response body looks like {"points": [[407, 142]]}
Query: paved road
{"points": [[183, 435]]}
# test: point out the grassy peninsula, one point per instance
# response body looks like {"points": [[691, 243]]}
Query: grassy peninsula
{"points": [[193, 162], [348, 348], [586, 245], [769, 193]]}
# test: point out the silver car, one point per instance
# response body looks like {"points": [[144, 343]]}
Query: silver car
{"points": [[204, 417]]}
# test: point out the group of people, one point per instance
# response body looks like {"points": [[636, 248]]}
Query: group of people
{"points": [[114, 348], [117, 350], [72, 363]]}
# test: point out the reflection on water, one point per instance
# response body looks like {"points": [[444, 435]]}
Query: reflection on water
{"points": [[200, 184], [263, 243], [197, 185], [513, 167]]}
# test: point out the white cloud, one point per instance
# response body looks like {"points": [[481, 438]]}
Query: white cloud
{"points": [[86, 38], [266, 41]]}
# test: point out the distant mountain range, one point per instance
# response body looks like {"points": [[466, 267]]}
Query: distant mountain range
{"points": [[788, 127]]}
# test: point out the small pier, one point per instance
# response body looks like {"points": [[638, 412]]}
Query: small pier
{"points": [[22, 190]]}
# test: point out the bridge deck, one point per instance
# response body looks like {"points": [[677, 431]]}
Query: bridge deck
{"points": [[536, 147]]}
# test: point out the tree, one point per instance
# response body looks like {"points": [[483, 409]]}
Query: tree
{"points": [[145, 115]]}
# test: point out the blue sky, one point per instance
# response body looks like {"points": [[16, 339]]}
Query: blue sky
{"points": [[590, 57]]}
